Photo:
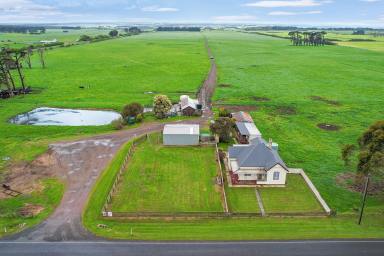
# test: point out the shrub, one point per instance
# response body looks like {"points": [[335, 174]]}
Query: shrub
{"points": [[118, 124], [161, 106], [223, 112], [132, 110], [85, 38], [139, 118]]}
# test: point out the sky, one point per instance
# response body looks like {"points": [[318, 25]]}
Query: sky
{"points": [[264, 12]]}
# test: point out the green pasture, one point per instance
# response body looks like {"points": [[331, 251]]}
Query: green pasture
{"points": [[168, 179]]}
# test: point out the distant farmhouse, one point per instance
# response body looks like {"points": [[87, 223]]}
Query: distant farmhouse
{"points": [[254, 161], [190, 107], [48, 41], [181, 135]]}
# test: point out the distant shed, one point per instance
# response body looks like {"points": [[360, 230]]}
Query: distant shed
{"points": [[181, 135], [247, 132]]}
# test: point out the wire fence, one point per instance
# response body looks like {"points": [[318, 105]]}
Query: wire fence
{"points": [[123, 167]]}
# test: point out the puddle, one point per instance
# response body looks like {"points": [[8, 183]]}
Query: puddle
{"points": [[65, 117]]}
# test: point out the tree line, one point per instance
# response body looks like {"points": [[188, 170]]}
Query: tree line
{"points": [[22, 29], [188, 29], [300, 38]]}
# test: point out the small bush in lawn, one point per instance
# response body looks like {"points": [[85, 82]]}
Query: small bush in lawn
{"points": [[139, 118], [118, 124]]}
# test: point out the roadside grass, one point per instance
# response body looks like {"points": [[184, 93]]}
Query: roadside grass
{"points": [[262, 66], [295, 197], [168, 180], [10, 219]]}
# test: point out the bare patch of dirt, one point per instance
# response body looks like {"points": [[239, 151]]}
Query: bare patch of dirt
{"points": [[329, 127], [25, 177], [236, 108], [355, 183], [30, 210], [224, 85], [286, 110], [330, 102], [260, 99]]}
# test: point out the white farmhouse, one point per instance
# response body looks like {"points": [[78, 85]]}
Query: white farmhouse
{"points": [[257, 163]]}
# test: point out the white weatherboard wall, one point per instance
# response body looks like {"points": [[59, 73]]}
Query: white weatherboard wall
{"points": [[282, 176], [181, 135]]}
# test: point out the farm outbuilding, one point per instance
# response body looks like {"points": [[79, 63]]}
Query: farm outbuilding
{"points": [[181, 135]]}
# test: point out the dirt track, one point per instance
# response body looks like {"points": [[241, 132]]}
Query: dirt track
{"points": [[79, 163]]}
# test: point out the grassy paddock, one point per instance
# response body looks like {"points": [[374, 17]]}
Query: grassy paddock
{"points": [[168, 180], [257, 67]]}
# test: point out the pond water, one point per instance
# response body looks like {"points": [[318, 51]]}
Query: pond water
{"points": [[66, 117]]}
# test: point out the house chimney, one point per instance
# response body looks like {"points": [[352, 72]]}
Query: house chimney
{"points": [[270, 143]]}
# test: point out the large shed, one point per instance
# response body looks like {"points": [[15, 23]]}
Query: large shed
{"points": [[181, 134]]}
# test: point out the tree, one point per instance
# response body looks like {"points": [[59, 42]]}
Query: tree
{"points": [[347, 152], [5, 74], [371, 143], [223, 112], [18, 56], [85, 38], [134, 30], [41, 56], [223, 127], [114, 33], [28, 57], [132, 110], [161, 106]]}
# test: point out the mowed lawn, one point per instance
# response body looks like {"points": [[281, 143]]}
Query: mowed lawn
{"points": [[284, 84], [168, 179], [296, 197], [242, 200]]}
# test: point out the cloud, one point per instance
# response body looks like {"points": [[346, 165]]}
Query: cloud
{"points": [[25, 8], [283, 13], [295, 3], [155, 8], [234, 18]]}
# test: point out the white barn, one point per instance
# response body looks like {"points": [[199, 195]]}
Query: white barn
{"points": [[181, 135]]}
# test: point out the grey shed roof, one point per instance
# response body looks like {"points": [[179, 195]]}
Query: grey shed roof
{"points": [[257, 154], [248, 129]]}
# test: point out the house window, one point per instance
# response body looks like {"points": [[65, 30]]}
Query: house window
{"points": [[247, 175], [260, 176], [276, 176]]}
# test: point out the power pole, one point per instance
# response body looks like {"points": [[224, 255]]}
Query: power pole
{"points": [[364, 198]]}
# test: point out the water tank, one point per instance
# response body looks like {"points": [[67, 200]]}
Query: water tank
{"points": [[275, 146], [184, 100]]}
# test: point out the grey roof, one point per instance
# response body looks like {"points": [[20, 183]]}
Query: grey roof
{"points": [[257, 154], [242, 117], [247, 129]]}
